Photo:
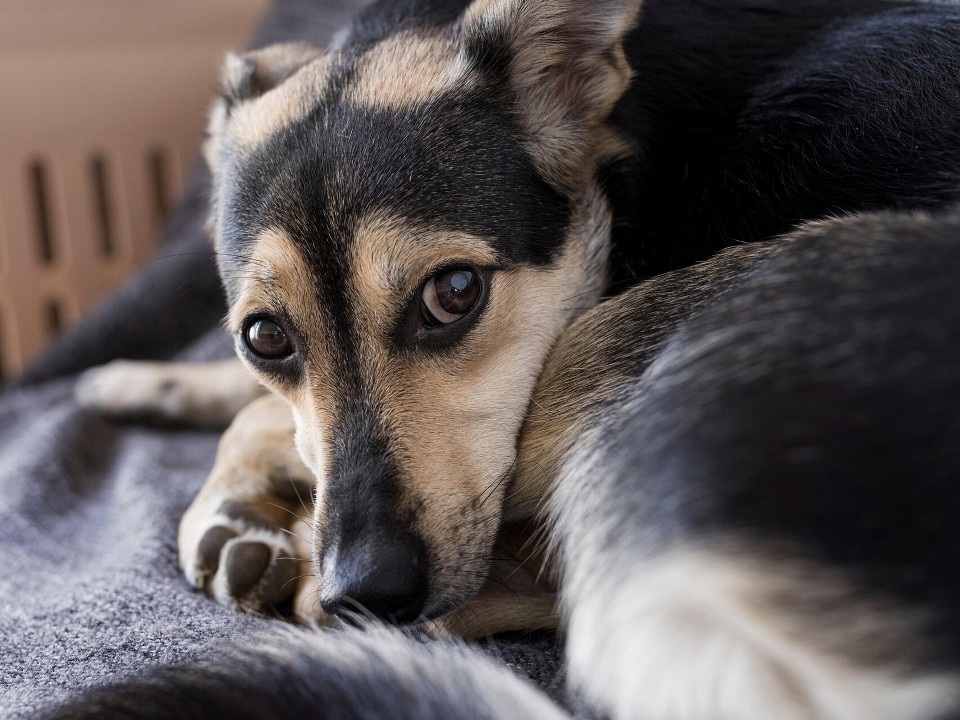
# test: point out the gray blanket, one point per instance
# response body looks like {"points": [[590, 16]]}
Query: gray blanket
{"points": [[90, 589]]}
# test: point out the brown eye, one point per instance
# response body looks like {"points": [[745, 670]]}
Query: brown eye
{"points": [[449, 295], [267, 339]]}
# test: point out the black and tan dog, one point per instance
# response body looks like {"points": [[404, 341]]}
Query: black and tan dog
{"points": [[747, 467]]}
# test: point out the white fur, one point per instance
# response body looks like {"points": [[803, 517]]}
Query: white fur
{"points": [[690, 637]]}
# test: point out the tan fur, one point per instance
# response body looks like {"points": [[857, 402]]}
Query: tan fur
{"points": [[454, 426], [452, 419], [254, 72], [252, 122], [392, 258], [455, 421], [403, 70], [279, 280], [254, 446], [406, 69], [277, 273], [255, 458], [521, 591], [590, 365], [497, 610]]}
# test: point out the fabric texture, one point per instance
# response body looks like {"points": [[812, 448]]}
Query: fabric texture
{"points": [[90, 588]]}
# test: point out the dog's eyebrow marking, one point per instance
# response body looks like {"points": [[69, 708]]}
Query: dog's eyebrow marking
{"points": [[390, 254], [406, 69], [280, 274]]}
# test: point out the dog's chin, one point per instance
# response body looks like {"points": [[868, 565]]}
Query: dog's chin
{"points": [[449, 599], [453, 587]]}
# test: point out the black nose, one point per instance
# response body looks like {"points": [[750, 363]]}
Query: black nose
{"points": [[384, 576]]}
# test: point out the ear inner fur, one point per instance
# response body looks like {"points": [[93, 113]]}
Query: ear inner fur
{"points": [[566, 69]]}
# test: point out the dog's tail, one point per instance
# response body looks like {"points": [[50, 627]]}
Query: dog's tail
{"points": [[349, 674]]}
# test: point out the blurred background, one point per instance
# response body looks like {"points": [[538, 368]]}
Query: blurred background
{"points": [[102, 109]]}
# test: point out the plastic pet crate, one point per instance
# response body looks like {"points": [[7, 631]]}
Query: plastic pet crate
{"points": [[102, 106]]}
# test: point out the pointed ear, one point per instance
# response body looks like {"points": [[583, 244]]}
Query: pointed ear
{"points": [[565, 68], [249, 75]]}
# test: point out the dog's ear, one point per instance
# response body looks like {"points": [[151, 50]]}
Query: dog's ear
{"points": [[249, 75], [564, 65], [245, 77]]}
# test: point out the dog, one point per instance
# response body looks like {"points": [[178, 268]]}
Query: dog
{"points": [[739, 461]]}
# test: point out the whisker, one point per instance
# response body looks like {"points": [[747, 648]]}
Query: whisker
{"points": [[288, 510], [296, 578], [302, 503], [253, 611], [504, 585], [288, 532], [488, 493]]}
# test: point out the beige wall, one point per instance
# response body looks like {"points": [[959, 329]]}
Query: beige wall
{"points": [[102, 104]]}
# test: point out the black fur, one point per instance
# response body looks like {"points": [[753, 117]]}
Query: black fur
{"points": [[749, 117], [803, 401], [752, 116]]}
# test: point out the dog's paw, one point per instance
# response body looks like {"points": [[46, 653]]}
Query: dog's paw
{"points": [[198, 394], [247, 538], [240, 557], [134, 390]]}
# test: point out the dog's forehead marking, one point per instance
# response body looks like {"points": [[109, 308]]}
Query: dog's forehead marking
{"points": [[408, 68], [402, 70]]}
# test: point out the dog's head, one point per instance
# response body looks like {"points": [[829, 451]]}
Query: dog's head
{"points": [[404, 226]]}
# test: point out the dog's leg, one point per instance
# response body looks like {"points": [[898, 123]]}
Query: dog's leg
{"points": [[246, 539], [196, 394], [498, 610]]}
